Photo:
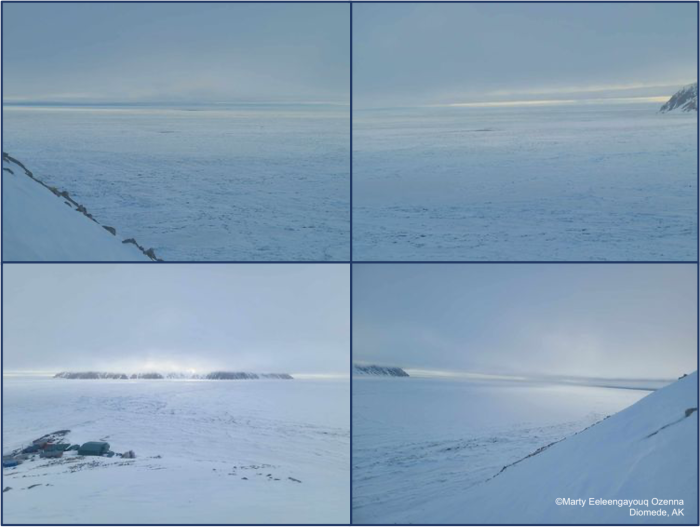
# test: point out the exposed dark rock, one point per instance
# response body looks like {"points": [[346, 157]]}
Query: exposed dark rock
{"points": [[110, 229], [150, 252]]}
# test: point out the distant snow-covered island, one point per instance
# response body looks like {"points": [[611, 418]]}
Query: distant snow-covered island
{"points": [[380, 371], [215, 375]]}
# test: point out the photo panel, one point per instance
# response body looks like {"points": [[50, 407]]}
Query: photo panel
{"points": [[525, 132], [176, 131], [525, 394], [178, 394]]}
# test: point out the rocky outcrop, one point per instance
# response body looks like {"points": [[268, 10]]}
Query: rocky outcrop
{"points": [[685, 100]]}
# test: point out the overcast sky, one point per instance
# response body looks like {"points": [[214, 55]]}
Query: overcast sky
{"points": [[606, 321], [176, 52], [422, 54], [260, 318]]}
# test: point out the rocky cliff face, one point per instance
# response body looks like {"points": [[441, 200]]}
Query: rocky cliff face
{"points": [[685, 100], [384, 371]]}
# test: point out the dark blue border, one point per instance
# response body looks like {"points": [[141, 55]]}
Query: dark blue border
{"points": [[351, 261]]}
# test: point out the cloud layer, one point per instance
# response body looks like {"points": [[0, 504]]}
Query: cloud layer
{"points": [[264, 318], [422, 54], [173, 52], [612, 321]]}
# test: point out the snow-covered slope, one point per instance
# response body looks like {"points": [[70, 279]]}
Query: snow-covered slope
{"points": [[41, 223], [383, 371], [647, 451], [206, 452], [685, 99]]}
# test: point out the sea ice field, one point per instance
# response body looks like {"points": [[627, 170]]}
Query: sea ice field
{"points": [[200, 183], [420, 441], [264, 451], [571, 182]]}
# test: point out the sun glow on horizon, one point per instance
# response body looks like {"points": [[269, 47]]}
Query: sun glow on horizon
{"points": [[554, 102]]}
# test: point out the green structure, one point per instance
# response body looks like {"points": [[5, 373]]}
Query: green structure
{"points": [[94, 448], [56, 447]]}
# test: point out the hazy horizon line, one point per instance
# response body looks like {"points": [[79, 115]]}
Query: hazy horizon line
{"points": [[52, 373], [525, 103], [19, 101], [521, 377]]}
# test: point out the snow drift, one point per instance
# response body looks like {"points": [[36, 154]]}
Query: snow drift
{"points": [[685, 99], [645, 452], [42, 223]]}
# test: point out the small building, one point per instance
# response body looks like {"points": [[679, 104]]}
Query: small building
{"points": [[94, 448], [52, 447]]}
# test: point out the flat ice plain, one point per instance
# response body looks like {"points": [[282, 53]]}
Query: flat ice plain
{"points": [[572, 182], [200, 183], [207, 451], [418, 440]]}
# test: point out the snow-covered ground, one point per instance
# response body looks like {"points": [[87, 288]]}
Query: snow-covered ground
{"points": [[648, 451], [207, 451], [38, 225], [423, 448], [598, 182], [200, 183]]}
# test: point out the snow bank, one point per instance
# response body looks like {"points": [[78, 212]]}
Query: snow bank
{"points": [[41, 223], [647, 451]]}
